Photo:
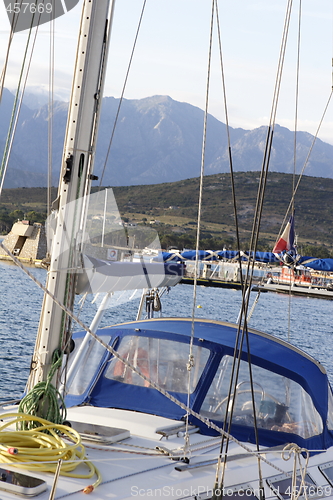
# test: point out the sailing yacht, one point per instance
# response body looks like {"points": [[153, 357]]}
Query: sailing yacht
{"points": [[159, 407]]}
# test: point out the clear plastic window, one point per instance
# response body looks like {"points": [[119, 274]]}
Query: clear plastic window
{"points": [[162, 361], [281, 404], [90, 357], [330, 409]]}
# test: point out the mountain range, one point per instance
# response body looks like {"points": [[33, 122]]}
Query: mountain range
{"points": [[156, 140]]}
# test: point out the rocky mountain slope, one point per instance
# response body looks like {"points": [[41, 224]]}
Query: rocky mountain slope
{"points": [[156, 140]]}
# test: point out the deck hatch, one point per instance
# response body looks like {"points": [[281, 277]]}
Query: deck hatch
{"points": [[238, 492], [21, 484], [100, 433], [282, 485], [327, 471]]}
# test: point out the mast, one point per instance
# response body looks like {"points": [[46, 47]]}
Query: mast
{"points": [[75, 179]]}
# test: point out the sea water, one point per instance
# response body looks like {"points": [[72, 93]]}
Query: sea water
{"points": [[305, 322]]}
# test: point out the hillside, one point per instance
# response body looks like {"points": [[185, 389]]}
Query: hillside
{"points": [[174, 206]]}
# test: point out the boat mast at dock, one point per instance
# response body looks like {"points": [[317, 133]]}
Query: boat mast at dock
{"points": [[76, 174]]}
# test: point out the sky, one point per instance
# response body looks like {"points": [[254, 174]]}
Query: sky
{"points": [[171, 57]]}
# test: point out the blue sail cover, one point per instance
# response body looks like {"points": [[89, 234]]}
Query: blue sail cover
{"points": [[325, 265], [210, 255], [292, 392]]}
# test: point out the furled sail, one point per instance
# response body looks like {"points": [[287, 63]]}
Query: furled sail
{"points": [[100, 276], [233, 255]]}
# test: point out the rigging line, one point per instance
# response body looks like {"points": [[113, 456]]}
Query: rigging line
{"points": [[232, 399], [4, 69], [233, 192], [196, 262], [95, 123], [265, 166], [122, 93], [295, 143], [153, 384], [306, 161], [222, 463], [50, 110], [18, 100], [263, 178], [267, 152], [230, 156], [297, 99], [269, 139], [281, 63], [11, 36], [80, 218], [63, 372], [13, 25], [256, 226]]}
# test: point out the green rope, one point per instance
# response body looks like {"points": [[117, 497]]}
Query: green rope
{"points": [[44, 400]]}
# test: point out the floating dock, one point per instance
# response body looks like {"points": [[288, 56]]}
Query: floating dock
{"points": [[303, 291]]}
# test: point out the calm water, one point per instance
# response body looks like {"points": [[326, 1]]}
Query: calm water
{"points": [[310, 320]]}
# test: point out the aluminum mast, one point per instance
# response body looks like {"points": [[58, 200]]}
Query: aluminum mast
{"points": [[75, 180]]}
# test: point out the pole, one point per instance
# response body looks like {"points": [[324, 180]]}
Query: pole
{"points": [[69, 210]]}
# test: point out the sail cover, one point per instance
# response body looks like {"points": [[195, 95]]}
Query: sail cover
{"points": [[325, 265], [101, 276], [210, 255]]}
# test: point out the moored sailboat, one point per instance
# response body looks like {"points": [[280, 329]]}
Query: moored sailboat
{"points": [[162, 407]]}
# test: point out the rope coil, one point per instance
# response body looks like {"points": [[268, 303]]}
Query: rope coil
{"points": [[44, 400], [40, 448]]}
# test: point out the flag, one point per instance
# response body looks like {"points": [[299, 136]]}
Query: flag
{"points": [[286, 241]]}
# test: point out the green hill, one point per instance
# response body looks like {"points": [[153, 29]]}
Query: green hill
{"points": [[173, 208]]}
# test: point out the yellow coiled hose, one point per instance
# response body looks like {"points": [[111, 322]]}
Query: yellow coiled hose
{"points": [[40, 448]]}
